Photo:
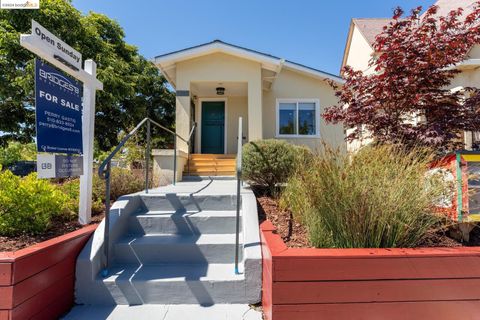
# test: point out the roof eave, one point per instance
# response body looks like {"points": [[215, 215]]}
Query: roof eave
{"points": [[267, 61]]}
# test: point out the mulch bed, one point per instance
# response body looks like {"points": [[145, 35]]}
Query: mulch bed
{"points": [[296, 236], [58, 228], [292, 233]]}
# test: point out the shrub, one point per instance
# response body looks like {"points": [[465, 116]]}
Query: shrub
{"points": [[379, 197], [122, 182], [28, 205], [268, 163]]}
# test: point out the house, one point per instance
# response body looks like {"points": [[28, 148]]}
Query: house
{"points": [[217, 82], [359, 51]]}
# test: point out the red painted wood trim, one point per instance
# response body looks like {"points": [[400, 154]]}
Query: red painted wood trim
{"points": [[6, 297], [5, 274], [55, 309], [57, 291], [273, 240], [22, 253], [4, 315], [375, 291], [30, 278], [31, 261], [375, 253], [321, 269], [419, 283], [41, 281], [441, 310]]}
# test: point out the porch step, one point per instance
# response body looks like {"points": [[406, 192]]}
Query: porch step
{"points": [[211, 165], [157, 249], [215, 162], [204, 284], [208, 156], [188, 223], [211, 172]]}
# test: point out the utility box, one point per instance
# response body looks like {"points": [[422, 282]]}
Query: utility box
{"points": [[462, 168]]}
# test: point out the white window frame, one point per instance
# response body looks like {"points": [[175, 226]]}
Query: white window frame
{"points": [[297, 101]]}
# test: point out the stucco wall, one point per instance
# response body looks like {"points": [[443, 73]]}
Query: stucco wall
{"points": [[360, 52], [290, 84]]}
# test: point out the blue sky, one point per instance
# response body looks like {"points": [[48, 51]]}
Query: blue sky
{"points": [[310, 32]]}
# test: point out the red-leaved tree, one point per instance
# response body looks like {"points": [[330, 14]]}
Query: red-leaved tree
{"points": [[414, 65]]}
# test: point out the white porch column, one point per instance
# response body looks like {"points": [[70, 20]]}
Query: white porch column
{"points": [[255, 117]]}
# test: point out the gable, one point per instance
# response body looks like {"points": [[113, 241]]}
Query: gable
{"points": [[270, 65], [358, 51]]}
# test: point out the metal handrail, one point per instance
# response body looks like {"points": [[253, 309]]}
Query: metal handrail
{"points": [[105, 169], [239, 181]]}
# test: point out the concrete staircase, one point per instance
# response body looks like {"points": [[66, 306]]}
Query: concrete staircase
{"points": [[174, 248], [211, 165]]}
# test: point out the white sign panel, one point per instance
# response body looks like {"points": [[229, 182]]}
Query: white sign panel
{"points": [[59, 166], [19, 4], [46, 165], [57, 48]]}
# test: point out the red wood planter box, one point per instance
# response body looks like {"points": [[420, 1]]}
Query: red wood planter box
{"points": [[370, 284], [38, 282]]}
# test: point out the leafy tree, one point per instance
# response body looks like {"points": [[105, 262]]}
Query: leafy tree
{"points": [[133, 87], [414, 64], [15, 151]]}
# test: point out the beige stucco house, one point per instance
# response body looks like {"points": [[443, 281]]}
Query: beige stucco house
{"points": [[216, 83], [359, 51]]}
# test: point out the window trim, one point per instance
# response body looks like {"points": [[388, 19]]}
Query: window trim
{"points": [[297, 101]]}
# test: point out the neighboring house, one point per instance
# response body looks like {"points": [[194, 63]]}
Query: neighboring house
{"points": [[216, 83], [359, 50]]}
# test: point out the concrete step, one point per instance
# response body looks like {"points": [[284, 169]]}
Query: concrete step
{"points": [[165, 312], [173, 202], [154, 249], [187, 223], [204, 284]]}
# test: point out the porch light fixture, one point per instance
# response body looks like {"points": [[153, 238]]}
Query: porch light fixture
{"points": [[220, 91]]}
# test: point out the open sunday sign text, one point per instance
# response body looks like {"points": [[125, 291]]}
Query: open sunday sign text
{"points": [[61, 50]]}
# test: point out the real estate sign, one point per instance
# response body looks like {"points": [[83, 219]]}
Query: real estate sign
{"points": [[61, 122], [58, 102]]}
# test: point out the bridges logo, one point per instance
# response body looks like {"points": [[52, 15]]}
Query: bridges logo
{"points": [[60, 81], [19, 4]]}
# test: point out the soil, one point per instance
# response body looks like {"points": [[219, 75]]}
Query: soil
{"points": [[295, 235], [58, 228]]}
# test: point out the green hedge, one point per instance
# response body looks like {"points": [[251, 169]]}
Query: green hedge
{"points": [[28, 205], [269, 163]]}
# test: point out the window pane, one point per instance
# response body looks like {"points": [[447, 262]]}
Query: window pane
{"points": [[287, 121], [306, 119]]}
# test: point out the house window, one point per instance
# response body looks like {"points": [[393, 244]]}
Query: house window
{"points": [[297, 118]]}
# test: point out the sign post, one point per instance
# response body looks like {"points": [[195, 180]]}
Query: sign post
{"points": [[52, 49]]}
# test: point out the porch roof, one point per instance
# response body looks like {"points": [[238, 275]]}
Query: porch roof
{"points": [[167, 62]]}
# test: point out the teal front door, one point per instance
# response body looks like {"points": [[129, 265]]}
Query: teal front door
{"points": [[213, 127]]}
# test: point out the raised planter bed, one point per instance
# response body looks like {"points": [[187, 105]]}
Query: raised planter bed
{"points": [[38, 282], [370, 284]]}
